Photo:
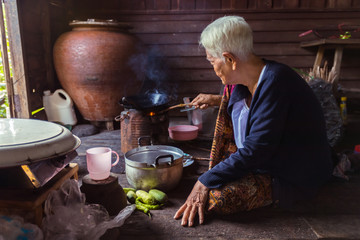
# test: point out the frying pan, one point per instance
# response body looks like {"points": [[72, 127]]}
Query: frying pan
{"points": [[151, 102]]}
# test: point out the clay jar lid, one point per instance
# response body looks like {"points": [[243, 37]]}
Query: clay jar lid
{"points": [[100, 23], [24, 141]]}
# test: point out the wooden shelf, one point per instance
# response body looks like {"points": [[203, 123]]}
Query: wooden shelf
{"points": [[338, 45], [331, 43]]}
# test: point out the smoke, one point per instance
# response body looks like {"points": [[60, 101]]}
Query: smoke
{"points": [[156, 69], [150, 66]]}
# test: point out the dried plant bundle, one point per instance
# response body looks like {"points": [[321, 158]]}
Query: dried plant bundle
{"points": [[323, 73]]}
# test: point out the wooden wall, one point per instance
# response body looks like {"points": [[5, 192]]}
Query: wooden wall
{"points": [[171, 29], [181, 5]]}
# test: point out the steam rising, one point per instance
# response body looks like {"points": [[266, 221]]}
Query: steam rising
{"points": [[150, 66]]}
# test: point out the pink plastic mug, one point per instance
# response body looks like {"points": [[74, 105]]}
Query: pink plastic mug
{"points": [[98, 161]]}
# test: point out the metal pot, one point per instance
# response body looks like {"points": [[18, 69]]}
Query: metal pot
{"points": [[154, 166]]}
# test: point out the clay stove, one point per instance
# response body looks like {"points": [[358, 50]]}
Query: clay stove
{"points": [[136, 123]]}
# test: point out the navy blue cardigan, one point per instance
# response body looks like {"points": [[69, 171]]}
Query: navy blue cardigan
{"points": [[285, 137]]}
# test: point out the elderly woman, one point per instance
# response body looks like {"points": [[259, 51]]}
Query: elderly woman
{"points": [[270, 144]]}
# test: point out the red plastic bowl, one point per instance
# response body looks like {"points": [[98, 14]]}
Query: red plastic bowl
{"points": [[183, 132]]}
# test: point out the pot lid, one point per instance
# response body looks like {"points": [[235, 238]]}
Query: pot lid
{"points": [[24, 141], [154, 155]]}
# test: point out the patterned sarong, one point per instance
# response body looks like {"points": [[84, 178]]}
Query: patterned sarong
{"points": [[251, 191]]}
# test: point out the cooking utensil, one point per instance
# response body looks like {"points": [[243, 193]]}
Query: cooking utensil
{"points": [[189, 160], [183, 132], [154, 166], [151, 102], [188, 109], [173, 107]]}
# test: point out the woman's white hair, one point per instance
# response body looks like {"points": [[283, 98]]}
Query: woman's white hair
{"points": [[228, 34]]}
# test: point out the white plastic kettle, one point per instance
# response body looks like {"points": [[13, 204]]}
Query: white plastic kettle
{"points": [[59, 107]]}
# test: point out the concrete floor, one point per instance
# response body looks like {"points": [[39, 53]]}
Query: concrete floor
{"points": [[333, 214]]}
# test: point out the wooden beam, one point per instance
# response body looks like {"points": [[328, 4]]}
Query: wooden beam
{"points": [[337, 62]]}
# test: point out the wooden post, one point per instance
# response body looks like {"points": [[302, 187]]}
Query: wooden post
{"points": [[6, 65], [337, 62], [17, 55]]}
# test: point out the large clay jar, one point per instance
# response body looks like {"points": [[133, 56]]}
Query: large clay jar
{"points": [[95, 65]]}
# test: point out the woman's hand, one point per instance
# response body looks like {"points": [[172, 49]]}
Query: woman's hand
{"points": [[203, 101], [195, 203]]}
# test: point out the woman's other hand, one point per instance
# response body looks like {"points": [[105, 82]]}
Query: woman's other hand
{"points": [[203, 101], [195, 203]]}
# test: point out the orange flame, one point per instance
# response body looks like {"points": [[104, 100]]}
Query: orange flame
{"points": [[152, 114]]}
